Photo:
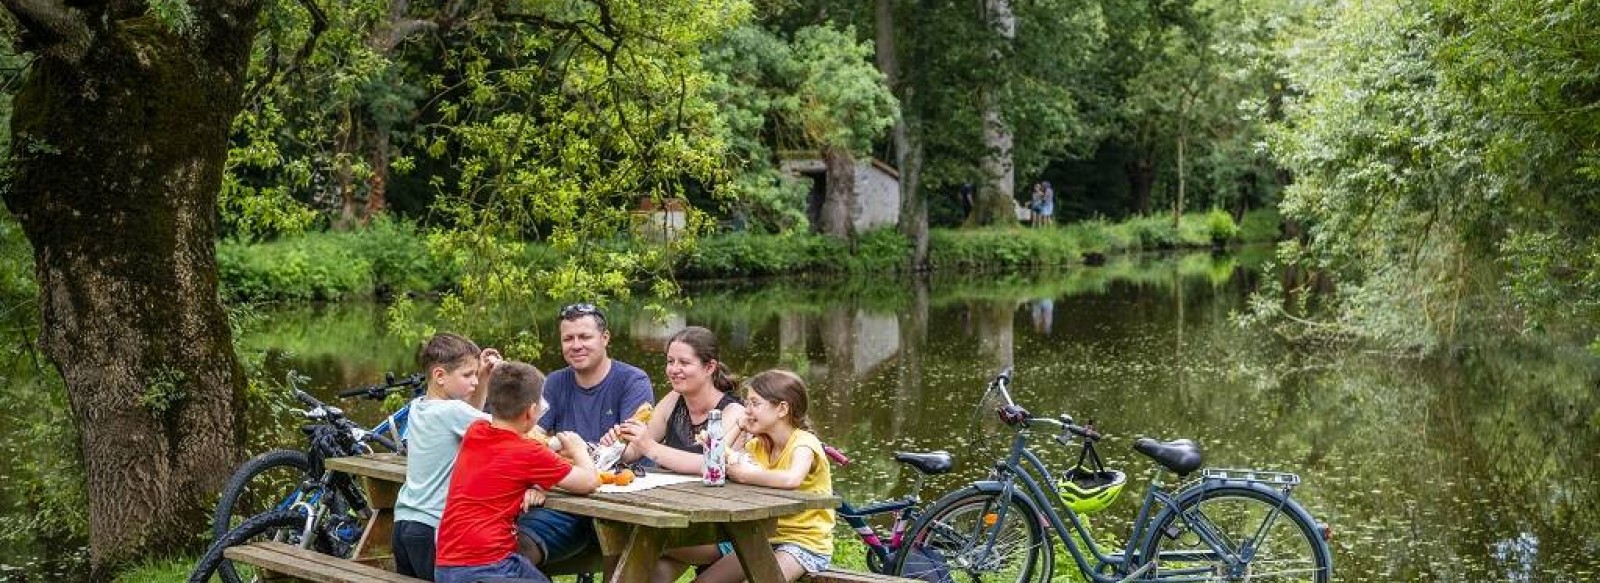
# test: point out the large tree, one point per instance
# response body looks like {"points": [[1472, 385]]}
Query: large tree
{"points": [[120, 130]]}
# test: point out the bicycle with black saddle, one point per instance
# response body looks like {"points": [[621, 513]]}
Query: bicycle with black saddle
{"points": [[319, 509], [1224, 525]]}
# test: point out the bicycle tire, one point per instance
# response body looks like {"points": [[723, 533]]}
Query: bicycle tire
{"points": [[238, 501], [937, 537], [283, 525], [1235, 512], [260, 485]]}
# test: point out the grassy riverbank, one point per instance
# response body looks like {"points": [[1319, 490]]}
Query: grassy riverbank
{"points": [[393, 257]]}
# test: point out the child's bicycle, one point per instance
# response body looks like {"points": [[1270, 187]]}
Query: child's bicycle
{"points": [[269, 481], [880, 550], [325, 511], [1227, 525]]}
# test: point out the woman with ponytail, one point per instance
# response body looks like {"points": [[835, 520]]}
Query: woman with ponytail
{"points": [[700, 382]]}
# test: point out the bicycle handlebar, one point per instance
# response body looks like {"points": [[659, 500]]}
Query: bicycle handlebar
{"points": [[381, 390], [306, 398], [1015, 415]]}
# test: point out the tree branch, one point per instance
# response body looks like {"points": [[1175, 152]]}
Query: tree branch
{"points": [[404, 29], [319, 24], [51, 28]]}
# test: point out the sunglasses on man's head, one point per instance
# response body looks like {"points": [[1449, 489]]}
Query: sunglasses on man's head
{"points": [[577, 310]]}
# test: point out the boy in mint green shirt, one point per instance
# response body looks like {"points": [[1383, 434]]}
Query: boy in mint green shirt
{"points": [[455, 368]]}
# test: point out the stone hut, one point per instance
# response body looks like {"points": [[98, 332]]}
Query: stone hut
{"points": [[877, 200]]}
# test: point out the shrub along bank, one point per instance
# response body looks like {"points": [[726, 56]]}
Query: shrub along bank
{"points": [[392, 257]]}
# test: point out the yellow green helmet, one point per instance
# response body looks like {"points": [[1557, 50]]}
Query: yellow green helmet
{"points": [[1085, 490]]}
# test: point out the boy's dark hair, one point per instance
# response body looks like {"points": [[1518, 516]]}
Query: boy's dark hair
{"points": [[514, 386], [447, 350]]}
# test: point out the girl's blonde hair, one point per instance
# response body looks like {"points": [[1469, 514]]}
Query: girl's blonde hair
{"points": [[781, 386]]}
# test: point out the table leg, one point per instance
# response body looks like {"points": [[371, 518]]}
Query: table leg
{"points": [[373, 548], [752, 542], [634, 548]]}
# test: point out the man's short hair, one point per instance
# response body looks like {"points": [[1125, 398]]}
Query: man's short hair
{"points": [[573, 312], [514, 386], [448, 350]]}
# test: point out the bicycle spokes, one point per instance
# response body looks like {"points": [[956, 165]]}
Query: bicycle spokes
{"points": [[1233, 538]]}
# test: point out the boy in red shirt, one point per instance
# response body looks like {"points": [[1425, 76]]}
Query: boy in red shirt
{"points": [[495, 471]]}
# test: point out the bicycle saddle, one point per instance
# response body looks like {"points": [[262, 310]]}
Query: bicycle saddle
{"points": [[1181, 456], [936, 462]]}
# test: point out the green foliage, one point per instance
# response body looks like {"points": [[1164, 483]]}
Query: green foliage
{"points": [[1260, 226], [1000, 248], [556, 135], [387, 258], [1220, 226], [749, 254], [164, 391], [159, 571], [1434, 135], [818, 90], [44, 471]]}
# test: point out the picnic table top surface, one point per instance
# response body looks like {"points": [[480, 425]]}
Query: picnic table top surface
{"points": [[670, 506]]}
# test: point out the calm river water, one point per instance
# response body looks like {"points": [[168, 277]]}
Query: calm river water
{"points": [[1481, 465]]}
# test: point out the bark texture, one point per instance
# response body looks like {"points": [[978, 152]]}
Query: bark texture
{"points": [[996, 200], [120, 140], [839, 199], [907, 154]]}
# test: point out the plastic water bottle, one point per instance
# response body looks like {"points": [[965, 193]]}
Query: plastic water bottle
{"points": [[715, 470]]}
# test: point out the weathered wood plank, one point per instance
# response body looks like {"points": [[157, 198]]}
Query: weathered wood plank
{"points": [[310, 565], [384, 466], [609, 510], [835, 576], [752, 547], [637, 557], [697, 508], [748, 497]]}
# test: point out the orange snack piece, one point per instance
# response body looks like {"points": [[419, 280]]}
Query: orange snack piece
{"points": [[642, 414], [624, 478], [608, 477]]}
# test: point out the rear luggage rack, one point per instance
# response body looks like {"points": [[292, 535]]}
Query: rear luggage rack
{"points": [[1281, 479]]}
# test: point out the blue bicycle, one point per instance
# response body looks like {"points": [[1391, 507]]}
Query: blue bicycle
{"points": [[273, 481]]}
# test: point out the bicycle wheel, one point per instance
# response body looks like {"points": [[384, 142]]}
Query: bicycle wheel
{"points": [[1260, 533], [972, 535], [266, 482], [287, 526]]}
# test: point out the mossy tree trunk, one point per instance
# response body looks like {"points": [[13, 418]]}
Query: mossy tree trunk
{"points": [[838, 203], [907, 148], [996, 201], [121, 129]]}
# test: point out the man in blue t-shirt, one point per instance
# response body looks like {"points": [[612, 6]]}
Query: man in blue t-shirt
{"points": [[589, 397]]}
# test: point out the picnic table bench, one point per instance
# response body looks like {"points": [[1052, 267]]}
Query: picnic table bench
{"points": [[633, 528]]}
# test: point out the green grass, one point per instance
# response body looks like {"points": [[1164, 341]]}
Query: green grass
{"points": [[161, 571], [391, 258]]}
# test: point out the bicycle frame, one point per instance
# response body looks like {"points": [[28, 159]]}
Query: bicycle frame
{"points": [[1021, 464], [857, 519]]}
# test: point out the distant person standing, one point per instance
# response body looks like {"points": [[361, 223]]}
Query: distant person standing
{"points": [[1047, 204], [965, 194], [1034, 203]]}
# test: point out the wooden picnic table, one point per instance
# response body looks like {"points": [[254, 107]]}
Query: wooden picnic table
{"points": [[634, 527]]}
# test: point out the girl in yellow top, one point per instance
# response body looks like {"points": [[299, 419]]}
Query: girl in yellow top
{"points": [[783, 454]]}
